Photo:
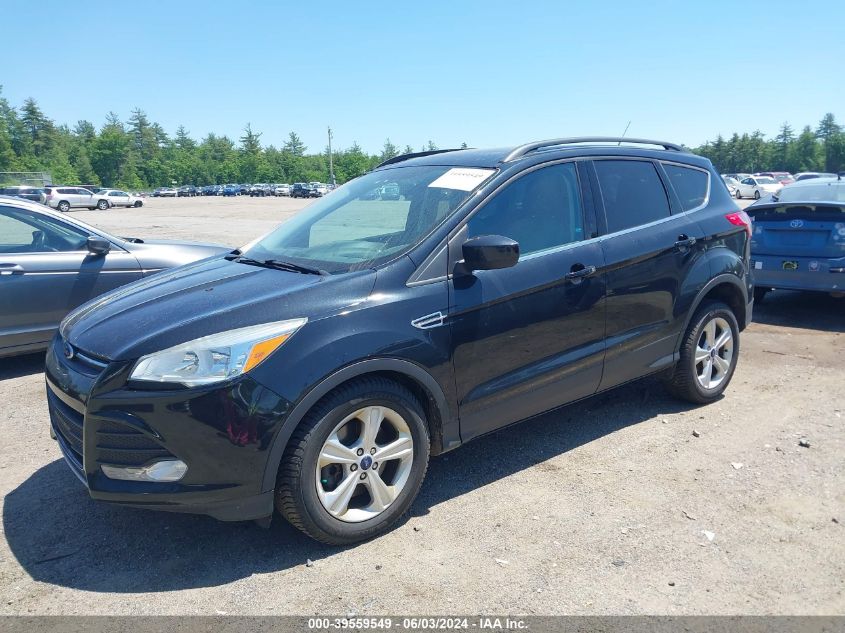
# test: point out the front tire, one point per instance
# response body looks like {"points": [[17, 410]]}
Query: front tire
{"points": [[355, 463], [738, 196], [709, 354], [757, 195], [138, 203]]}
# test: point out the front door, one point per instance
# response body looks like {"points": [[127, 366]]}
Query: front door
{"points": [[45, 272], [529, 338]]}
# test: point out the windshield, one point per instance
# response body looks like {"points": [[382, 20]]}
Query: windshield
{"points": [[371, 219], [765, 180]]}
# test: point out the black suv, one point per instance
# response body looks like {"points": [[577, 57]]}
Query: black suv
{"points": [[301, 190], [318, 369]]}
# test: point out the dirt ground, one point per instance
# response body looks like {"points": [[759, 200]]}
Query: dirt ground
{"points": [[629, 502]]}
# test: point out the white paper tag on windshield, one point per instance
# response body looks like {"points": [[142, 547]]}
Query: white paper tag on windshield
{"points": [[462, 178]]}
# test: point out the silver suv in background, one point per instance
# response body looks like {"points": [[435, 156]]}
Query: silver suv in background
{"points": [[66, 198]]}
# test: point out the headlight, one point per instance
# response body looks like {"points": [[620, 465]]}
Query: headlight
{"points": [[216, 357]]}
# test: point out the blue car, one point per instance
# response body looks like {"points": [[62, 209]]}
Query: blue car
{"points": [[231, 190], [798, 241]]}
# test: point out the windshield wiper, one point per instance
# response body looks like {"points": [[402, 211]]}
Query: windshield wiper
{"points": [[276, 264]]}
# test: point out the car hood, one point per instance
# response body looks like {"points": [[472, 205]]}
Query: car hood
{"points": [[204, 298], [155, 255]]}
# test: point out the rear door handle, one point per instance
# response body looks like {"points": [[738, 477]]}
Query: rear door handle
{"points": [[11, 269], [579, 271], [684, 242]]}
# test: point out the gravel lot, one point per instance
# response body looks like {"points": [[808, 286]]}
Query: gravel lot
{"points": [[610, 506]]}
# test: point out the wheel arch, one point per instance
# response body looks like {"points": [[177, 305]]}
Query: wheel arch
{"points": [[412, 376], [726, 288]]}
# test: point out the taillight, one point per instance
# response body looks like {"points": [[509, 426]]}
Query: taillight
{"points": [[740, 218]]}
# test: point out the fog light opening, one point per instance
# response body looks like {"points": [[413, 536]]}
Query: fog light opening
{"points": [[168, 470]]}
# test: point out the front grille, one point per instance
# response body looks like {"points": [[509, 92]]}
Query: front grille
{"points": [[122, 445], [67, 424]]}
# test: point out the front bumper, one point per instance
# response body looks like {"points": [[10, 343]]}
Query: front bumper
{"points": [[224, 434], [798, 273]]}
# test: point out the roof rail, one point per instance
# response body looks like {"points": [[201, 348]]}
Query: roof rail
{"points": [[522, 150], [404, 157]]}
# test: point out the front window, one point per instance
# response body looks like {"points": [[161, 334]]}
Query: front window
{"points": [[371, 219], [23, 231], [765, 180]]}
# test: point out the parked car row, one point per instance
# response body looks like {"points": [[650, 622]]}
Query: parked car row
{"points": [[66, 198], [260, 189]]}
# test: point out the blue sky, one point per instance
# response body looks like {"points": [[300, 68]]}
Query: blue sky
{"points": [[488, 73]]}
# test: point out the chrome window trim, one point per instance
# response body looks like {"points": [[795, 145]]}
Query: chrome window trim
{"points": [[598, 239]]}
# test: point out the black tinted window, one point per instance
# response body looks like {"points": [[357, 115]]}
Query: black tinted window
{"points": [[690, 185], [540, 210], [633, 193]]}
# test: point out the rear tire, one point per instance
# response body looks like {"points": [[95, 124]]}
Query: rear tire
{"points": [[307, 501], [702, 375], [102, 205], [63, 206]]}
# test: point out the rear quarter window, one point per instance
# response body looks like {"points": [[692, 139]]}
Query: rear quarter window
{"points": [[632, 193], [691, 185]]}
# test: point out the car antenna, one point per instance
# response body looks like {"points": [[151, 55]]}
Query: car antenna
{"points": [[624, 133]]}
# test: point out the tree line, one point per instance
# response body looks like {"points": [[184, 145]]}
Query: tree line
{"points": [[819, 149], [139, 154]]}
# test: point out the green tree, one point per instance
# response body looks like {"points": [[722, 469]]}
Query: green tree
{"points": [[388, 151], [806, 152], [294, 145]]}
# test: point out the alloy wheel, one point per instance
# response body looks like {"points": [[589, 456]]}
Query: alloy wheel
{"points": [[714, 353], [364, 464]]}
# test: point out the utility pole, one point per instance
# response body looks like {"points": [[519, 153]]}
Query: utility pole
{"points": [[331, 159]]}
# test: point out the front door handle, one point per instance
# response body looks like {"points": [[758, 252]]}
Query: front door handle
{"points": [[11, 269], [579, 271], [684, 242]]}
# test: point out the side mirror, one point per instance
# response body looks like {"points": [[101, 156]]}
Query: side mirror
{"points": [[98, 245], [489, 252]]}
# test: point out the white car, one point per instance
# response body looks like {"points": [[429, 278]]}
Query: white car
{"points": [[757, 186], [731, 183], [66, 198], [118, 198], [282, 190]]}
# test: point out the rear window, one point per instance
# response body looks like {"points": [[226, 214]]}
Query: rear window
{"points": [[813, 192], [690, 184], [632, 192], [815, 212]]}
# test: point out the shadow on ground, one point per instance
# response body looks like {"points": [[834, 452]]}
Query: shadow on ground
{"points": [[61, 537], [808, 310], [19, 366]]}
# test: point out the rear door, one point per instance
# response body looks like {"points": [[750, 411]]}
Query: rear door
{"points": [[650, 245], [529, 338], [46, 271]]}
